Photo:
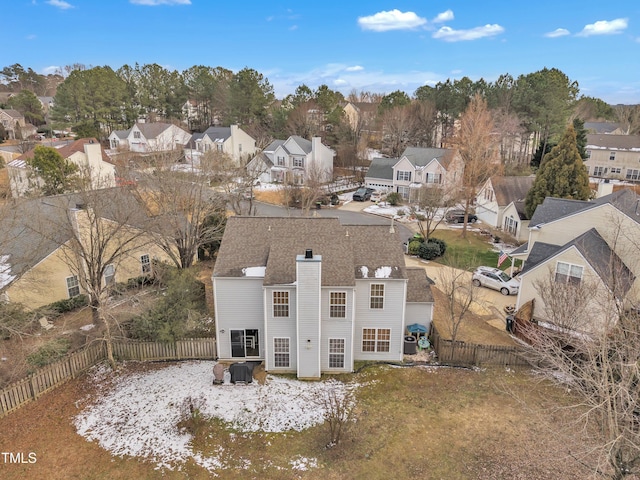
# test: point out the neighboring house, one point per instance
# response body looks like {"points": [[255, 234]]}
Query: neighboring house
{"points": [[47, 104], [574, 241], [312, 296], [416, 167], [86, 153], [613, 156], [232, 141], [608, 128], [150, 137], [294, 160], [500, 203], [36, 265], [15, 125]]}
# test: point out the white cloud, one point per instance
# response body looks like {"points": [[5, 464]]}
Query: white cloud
{"points": [[443, 17], [60, 4], [391, 20], [153, 3], [604, 27], [51, 70], [355, 68], [558, 32], [448, 34]]}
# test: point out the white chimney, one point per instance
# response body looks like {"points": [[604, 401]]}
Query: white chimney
{"points": [[308, 299], [605, 187]]}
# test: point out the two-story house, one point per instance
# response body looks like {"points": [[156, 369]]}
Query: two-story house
{"points": [[86, 153], [591, 242], [416, 167], [15, 124], [232, 141], [312, 296], [293, 160], [500, 203], [613, 156], [149, 137]]}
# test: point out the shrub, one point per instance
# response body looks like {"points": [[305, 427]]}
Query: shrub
{"points": [[414, 247], [49, 352], [68, 304], [394, 198], [441, 243], [429, 250]]}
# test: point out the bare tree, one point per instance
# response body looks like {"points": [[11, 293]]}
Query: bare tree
{"points": [[398, 123], [459, 295], [629, 118], [337, 401], [477, 146], [434, 202], [589, 341]]}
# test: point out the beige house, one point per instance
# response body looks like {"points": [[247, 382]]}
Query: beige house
{"points": [[231, 141], [613, 157], [15, 125], [86, 153], [500, 203], [584, 242], [416, 167], [38, 260], [149, 137]]}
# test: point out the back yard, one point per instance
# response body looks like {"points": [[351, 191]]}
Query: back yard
{"points": [[411, 422]]}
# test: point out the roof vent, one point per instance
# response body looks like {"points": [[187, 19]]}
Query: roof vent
{"points": [[308, 254]]}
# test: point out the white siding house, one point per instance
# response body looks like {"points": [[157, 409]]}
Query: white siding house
{"points": [[232, 141], [312, 296], [149, 137], [293, 161]]}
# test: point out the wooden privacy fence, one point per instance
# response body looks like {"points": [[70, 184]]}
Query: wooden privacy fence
{"points": [[46, 378], [462, 353]]}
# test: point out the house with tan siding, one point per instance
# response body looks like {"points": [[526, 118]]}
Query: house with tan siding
{"points": [[613, 157], [312, 296], [572, 241]]}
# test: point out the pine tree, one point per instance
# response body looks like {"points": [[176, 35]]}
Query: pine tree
{"points": [[562, 174]]}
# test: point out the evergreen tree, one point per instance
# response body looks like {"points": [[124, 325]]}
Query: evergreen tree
{"points": [[562, 174], [55, 172]]}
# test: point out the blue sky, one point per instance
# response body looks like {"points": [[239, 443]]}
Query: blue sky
{"points": [[378, 46]]}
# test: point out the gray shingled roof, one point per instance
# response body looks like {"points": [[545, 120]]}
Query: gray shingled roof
{"points": [[303, 143], [539, 253], [382, 168], [601, 127], [122, 134], [152, 130], [615, 142], [218, 133], [554, 208], [420, 157], [32, 229], [347, 250], [273, 145], [511, 189], [418, 286], [12, 113]]}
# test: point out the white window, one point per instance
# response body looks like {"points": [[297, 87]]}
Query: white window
{"points": [[377, 296], [403, 176], [338, 305], [73, 286], [404, 192], [298, 162], [336, 352], [280, 304], [376, 340], [568, 273], [598, 171], [145, 261], [511, 225], [588, 154], [280, 161], [109, 274], [612, 155], [281, 352], [436, 177], [136, 134], [633, 174], [240, 148], [617, 170]]}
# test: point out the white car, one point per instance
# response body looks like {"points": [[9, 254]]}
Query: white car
{"points": [[495, 278]]}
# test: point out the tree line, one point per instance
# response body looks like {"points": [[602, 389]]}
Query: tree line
{"points": [[531, 109]]}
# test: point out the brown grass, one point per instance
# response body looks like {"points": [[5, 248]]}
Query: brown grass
{"points": [[411, 423], [274, 197]]}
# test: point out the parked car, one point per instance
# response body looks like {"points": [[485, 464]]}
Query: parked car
{"points": [[377, 196], [495, 278], [363, 194], [457, 216]]}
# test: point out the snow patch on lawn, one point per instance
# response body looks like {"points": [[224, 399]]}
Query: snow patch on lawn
{"points": [[138, 413]]}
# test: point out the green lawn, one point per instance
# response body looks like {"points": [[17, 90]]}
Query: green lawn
{"points": [[468, 252]]}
